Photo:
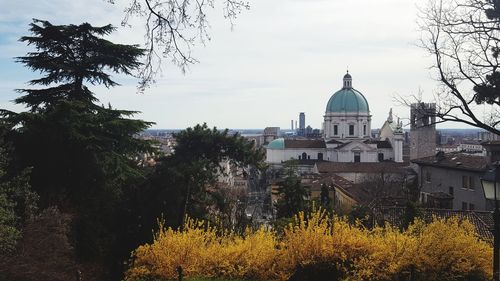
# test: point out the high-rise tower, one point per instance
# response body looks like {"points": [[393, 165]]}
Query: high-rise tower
{"points": [[302, 124]]}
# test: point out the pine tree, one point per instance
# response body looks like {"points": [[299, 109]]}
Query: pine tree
{"points": [[82, 154], [77, 148]]}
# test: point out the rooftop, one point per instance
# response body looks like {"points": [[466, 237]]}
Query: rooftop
{"points": [[456, 160], [482, 221], [304, 143], [361, 167]]}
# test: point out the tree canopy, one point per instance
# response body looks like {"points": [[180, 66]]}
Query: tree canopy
{"points": [[74, 145], [183, 183], [292, 194], [82, 155]]}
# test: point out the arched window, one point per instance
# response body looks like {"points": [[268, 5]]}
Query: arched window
{"points": [[304, 155], [320, 156]]}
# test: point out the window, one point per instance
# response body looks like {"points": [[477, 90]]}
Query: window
{"points": [[304, 156], [335, 130], [471, 206], [380, 157], [451, 190], [320, 156], [357, 157], [465, 182], [464, 206], [351, 130], [428, 176], [364, 130], [468, 182]]}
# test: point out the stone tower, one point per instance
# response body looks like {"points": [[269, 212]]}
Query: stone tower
{"points": [[422, 130]]}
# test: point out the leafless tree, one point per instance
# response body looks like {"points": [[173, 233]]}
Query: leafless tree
{"points": [[172, 28], [463, 36]]}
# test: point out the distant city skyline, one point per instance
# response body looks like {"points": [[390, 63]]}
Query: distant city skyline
{"points": [[282, 58]]}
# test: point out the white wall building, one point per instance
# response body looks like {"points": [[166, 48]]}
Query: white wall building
{"points": [[346, 134]]}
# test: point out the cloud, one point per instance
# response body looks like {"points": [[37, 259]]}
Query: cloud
{"points": [[283, 57]]}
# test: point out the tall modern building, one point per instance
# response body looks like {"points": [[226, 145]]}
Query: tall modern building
{"points": [[302, 120], [302, 124]]}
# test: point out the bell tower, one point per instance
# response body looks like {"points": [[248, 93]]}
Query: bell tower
{"points": [[422, 130]]}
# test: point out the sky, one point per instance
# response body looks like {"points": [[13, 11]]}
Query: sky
{"points": [[280, 58]]}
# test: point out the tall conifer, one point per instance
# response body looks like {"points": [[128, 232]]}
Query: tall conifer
{"points": [[76, 147]]}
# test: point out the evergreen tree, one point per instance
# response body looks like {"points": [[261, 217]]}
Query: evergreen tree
{"points": [[326, 201], [293, 195], [82, 154], [76, 147]]}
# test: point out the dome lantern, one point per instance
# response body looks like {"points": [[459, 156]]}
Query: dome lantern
{"points": [[347, 80]]}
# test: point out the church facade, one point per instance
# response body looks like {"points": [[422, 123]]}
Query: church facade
{"points": [[346, 134]]}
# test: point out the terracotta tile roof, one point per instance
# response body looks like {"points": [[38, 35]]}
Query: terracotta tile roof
{"points": [[357, 192], [483, 221], [459, 161], [366, 167], [308, 161], [304, 143]]}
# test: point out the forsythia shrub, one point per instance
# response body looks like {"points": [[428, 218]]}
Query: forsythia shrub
{"points": [[440, 250]]}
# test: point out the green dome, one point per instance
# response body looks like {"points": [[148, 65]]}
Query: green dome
{"points": [[347, 100], [277, 144]]}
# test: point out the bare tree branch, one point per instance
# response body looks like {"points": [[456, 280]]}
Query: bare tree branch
{"points": [[173, 28], [464, 39]]}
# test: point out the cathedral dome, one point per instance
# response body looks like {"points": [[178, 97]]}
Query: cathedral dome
{"points": [[347, 99], [277, 144]]}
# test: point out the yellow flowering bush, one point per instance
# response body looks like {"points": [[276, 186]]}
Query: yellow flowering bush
{"points": [[441, 250]]}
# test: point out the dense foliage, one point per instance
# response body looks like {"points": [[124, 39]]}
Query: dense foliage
{"points": [[184, 182], [292, 195], [80, 154], [77, 148], [441, 250], [18, 204], [84, 157]]}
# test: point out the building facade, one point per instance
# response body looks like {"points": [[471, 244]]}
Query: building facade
{"points": [[347, 115], [346, 134], [452, 181]]}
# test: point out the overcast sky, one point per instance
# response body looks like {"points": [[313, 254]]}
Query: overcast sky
{"points": [[282, 57]]}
